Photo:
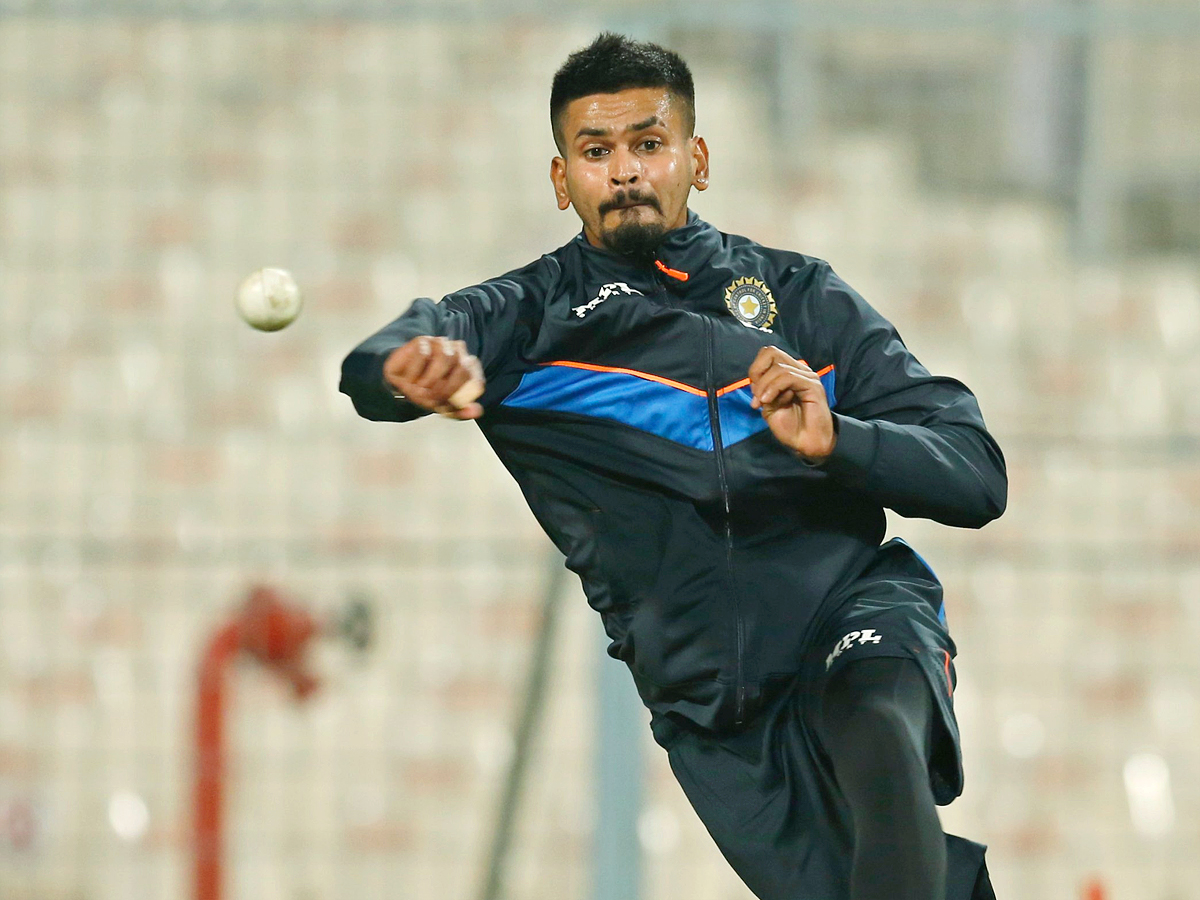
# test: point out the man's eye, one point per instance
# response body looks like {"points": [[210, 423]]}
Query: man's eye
{"points": [[594, 152], [651, 144]]}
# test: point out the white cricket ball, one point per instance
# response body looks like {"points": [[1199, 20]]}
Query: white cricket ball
{"points": [[269, 299]]}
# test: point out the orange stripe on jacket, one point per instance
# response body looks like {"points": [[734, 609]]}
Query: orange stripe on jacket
{"points": [[592, 367], [733, 387], [824, 371], [678, 385]]}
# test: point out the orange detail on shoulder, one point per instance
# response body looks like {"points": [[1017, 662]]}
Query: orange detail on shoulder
{"points": [[674, 273], [949, 686], [592, 367]]}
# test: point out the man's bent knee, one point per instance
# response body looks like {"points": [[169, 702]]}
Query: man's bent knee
{"points": [[882, 700], [876, 721]]}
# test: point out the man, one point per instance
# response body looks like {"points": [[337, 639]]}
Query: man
{"points": [[710, 430]]}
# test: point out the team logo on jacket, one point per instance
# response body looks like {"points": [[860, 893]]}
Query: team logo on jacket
{"points": [[751, 303], [606, 291]]}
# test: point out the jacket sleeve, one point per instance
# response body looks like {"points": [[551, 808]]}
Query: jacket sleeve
{"points": [[490, 318], [914, 442]]}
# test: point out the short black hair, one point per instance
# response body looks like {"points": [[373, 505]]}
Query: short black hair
{"points": [[614, 62]]}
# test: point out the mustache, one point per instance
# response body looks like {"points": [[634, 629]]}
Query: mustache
{"points": [[629, 198]]}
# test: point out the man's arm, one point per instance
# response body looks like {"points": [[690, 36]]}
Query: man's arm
{"points": [[914, 442], [425, 342], [419, 363]]}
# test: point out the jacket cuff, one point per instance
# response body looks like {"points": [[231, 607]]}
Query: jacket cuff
{"points": [[404, 408], [374, 373], [854, 453]]}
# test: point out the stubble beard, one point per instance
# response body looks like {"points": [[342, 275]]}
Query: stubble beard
{"points": [[635, 240]]}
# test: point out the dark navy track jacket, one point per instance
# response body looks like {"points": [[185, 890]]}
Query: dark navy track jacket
{"points": [[617, 397]]}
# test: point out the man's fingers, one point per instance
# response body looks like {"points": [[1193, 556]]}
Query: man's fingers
{"points": [[790, 388], [452, 384], [476, 368], [421, 396], [470, 411], [468, 392], [444, 383], [394, 365], [783, 377], [460, 387], [446, 358], [443, 357], [765, 358], [769, 356], [783, 401], [407, 363], [463, 382], [438, 374]]}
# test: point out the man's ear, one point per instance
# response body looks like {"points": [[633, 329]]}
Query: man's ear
{"points": [[558, 178], [699, 164]]}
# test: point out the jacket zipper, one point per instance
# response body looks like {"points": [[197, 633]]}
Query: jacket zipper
{"points": [[719, 451]]}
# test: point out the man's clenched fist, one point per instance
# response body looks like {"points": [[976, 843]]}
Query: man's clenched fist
{"points": [[438, 374], [793, 402]]}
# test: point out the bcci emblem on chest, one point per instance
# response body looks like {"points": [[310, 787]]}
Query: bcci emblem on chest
{"points": [[751, 303]]}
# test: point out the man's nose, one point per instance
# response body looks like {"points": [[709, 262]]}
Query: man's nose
{"points": [[627, 169]]}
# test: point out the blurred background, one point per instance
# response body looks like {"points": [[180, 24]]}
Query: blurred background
{"points": [[1015, 184]]}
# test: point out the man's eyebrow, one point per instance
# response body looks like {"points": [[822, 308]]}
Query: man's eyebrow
{"points": [[642, 126], [604, 132]]}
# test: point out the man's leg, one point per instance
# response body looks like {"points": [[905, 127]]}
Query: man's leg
{"points": [[876, 724]]}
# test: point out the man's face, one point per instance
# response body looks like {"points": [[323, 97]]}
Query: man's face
{"points": [[628, 166]]}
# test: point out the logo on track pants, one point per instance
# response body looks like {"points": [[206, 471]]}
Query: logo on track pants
{"points": [[866, 636]]}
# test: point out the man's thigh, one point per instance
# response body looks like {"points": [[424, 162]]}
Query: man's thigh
{"points": [[769, 797], [889, 622], [770, 803], [877, 713]]}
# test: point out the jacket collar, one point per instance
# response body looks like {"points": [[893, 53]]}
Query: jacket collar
{"points": [[678, 261]]}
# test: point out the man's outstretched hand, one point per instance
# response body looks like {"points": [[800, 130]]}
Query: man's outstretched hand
{"points": [[437, 374], [792, 401]]}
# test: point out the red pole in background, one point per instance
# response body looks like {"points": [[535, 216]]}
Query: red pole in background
{"points": [[278, 636], [210, 726], [1093, 889]]}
